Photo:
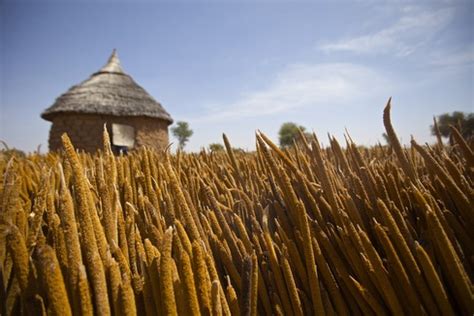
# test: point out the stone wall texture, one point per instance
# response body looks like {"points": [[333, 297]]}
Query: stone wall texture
{"points": [[85, 131]]}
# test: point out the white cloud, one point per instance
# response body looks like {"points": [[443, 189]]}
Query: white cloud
{"points": [[304, 85], [460, 57], [413, 29]]}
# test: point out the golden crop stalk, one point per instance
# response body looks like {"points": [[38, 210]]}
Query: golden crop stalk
{"points": [[309, 230]]}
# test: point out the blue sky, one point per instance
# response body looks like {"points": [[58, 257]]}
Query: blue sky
{"points": [[235, 67]]}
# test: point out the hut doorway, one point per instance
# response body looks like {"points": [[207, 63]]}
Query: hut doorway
{"points": [[123, 138]]}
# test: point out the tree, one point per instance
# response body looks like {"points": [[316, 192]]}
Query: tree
{"points": [[182, 132], [214, 147], [289, 133], [464, 122]]}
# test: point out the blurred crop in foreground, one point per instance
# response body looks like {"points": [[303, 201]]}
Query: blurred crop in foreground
{"points": [[307, 230]]}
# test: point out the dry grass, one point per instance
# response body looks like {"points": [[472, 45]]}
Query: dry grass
{"points": [[307, 231]]}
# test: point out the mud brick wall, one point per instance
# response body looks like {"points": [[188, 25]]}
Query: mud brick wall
{"points": [[85, 130]]}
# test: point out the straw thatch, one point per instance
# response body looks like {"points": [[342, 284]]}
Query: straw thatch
{"points": [[110, 91]]}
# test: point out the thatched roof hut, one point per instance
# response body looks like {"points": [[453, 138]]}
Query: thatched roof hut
{"points": [[108, 96]]}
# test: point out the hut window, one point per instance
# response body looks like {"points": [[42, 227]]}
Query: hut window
{"points": [[123, 137]]}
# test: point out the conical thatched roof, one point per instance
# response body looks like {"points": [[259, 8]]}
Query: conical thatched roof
{"points": [[110, 91]]}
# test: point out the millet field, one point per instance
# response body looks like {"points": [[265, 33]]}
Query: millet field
{"points": [[339, 230]]}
